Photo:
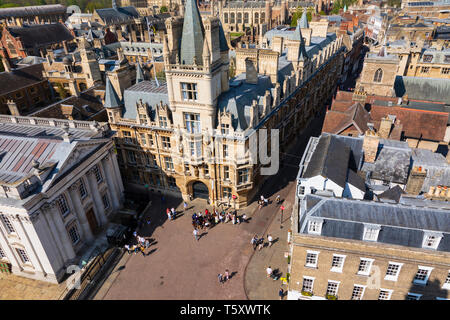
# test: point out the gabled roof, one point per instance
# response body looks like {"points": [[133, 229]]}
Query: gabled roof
{"points": [[32, 11], [337, 121], [192, 37], [20, 78], [37, 35], [393, 194], [329, 160], [112, 15]]}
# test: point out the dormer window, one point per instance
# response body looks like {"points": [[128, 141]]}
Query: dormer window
{"points": [[315, 226], [371, 232], [431, 240], [427, 58]]}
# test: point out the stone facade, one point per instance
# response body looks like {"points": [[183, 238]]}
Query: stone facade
{"points": [[52, 213], [210, 157]]}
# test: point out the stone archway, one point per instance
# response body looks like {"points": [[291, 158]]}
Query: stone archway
{"points": [[200, 190]]}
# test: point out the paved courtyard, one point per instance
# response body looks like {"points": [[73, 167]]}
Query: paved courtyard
{"points": [[179, 267]]}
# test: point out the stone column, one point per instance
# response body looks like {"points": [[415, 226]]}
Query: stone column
{"points": [[46, 208], [31, 251], [118, 176], [80, 213], [56, 220], [95, 195], [111, 180]]}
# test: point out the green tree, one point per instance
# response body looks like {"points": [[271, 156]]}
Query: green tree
{"points": [[163, 9], [161, 75], [61, 91]]}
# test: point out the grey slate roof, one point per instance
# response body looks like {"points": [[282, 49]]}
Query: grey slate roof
{"points": [[139, 73], [192, 37], [38, 35], [239, 98], [393, 194], [149, 92], [423, 88], [20, 78], [392, 163], [6, 13], [400, 224], [438, 169], [119, 14], [330, 160], [111, 98]]}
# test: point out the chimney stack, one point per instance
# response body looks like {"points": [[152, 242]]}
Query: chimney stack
{"points": [[370, 146], [251, 75], [415, 180]]}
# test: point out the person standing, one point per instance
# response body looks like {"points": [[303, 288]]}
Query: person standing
{"points": [[270, 239], [185, 206], [278, 199], [220, 277], [127, 247], [281, 293], [195, 232], [269, 271], [173, 213], [227, 275], [260, 244], [254, 241]]}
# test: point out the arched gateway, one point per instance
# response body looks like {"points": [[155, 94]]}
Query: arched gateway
{"points": [[200, 190]]}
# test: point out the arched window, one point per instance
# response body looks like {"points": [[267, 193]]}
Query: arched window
{"points": [[378, 75], [239, 18], [232, 18], [225, 17], [256, 17], [246, 17]]}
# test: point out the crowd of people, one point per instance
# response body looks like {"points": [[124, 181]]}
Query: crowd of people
{"points": [[206, 220], [140, 244]]}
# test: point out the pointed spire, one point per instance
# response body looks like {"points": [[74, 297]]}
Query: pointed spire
{"points": [[193, 34], [139, 73], [222, 40], [297, 35], [114, 4], [206, 52], [304, 20], [111, 98]]}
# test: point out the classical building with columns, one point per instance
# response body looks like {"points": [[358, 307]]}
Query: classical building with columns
{"points": [[60, 183], [190, 135]]}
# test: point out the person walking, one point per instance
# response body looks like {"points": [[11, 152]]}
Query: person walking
{"points": [[185, 206], [254, 241], [260, 243], [173, 213], [168, 214], [269, 271], [281, 293], [227, 275], [278, 199], [142, 248], [195, 232], [220, 277], [127, 247], [270, 239]]}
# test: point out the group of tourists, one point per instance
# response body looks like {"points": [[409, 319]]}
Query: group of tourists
{"points": [[140, 245], [171, 213], [224, 277], [258, 243], [209, 219]]}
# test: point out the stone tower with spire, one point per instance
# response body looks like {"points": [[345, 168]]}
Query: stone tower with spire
{"points": [[196, 63]]}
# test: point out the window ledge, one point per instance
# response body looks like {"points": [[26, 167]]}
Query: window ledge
{"points": [[311, 267]]}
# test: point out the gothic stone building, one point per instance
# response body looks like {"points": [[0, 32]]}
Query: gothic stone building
{"points": [[191, 134], [60, 183]]}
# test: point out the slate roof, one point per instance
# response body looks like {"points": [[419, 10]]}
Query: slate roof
{"points": [[17, 155], [149, 92], [111, 98], [329, 160], [438, 169], [6, 13], [400, 224], [393, 194], [119, 14], [20, 78], [423, 88], [392, 163], [193, 35], [38, 35], [238, 99]]}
